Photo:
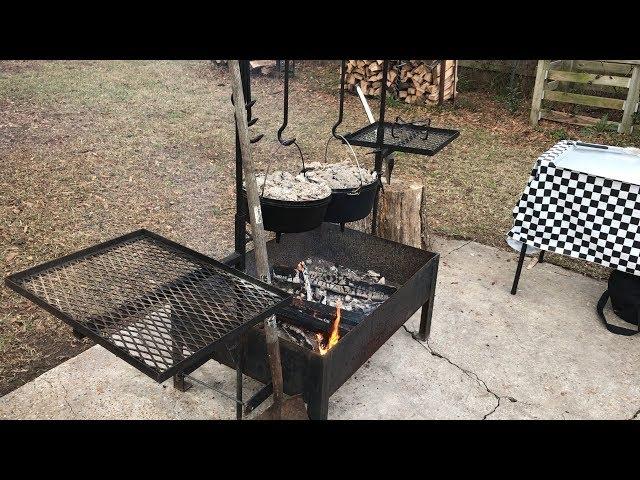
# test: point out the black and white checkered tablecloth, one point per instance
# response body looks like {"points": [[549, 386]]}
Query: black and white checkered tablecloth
{"points": [[580, 215]]}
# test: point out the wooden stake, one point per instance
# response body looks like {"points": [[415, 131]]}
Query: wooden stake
{"points": [[259, 238]]}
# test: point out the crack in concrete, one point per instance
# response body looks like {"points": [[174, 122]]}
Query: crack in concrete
{"points": [[467, 372], [458, 247], [635, 415], [64, 397]]}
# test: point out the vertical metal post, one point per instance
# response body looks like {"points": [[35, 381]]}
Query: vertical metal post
{"points": [[240, 218], [523, 251], [380, 141], [427, 308], [239, 368]]}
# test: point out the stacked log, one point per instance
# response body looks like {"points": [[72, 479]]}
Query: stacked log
{"points": [[413, 81], [367, 74]]}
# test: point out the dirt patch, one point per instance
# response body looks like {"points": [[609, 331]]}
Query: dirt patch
{"points": [[98, 149]]}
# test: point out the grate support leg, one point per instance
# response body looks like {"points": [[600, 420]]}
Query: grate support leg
{"points": [[239, 368], [180, 383]]}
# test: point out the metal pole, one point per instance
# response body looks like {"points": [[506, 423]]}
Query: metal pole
{"points": [[523, 251], [380, 141], [239, 369]]}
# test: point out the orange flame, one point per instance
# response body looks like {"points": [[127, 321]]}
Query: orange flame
{"points": [[335, 333]]}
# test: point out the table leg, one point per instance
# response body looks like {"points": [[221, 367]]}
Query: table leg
{"points": [[523, 251], [541, 257]]}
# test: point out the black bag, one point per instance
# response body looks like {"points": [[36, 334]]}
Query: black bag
{"points": [[624, 290]]}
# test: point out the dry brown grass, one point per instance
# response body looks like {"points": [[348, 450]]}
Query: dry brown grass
{"points": [[91, 150]]}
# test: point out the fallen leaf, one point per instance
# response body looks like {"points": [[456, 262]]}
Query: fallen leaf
{"points": [[11, 256]]}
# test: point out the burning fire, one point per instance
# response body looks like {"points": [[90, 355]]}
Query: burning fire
{"points": [[334, 336]]}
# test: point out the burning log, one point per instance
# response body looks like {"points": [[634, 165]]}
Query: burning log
{"points": [[298, 324], [342, 285], [334, 334], [299, 336], [334, 281], [316, 316], [309, 321]]}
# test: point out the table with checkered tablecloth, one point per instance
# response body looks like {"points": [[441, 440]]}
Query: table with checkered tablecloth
{"points": [[581, 200]]}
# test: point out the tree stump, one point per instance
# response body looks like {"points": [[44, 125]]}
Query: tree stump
{"points": [[402, 214]]}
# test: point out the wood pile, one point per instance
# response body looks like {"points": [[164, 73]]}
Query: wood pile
{"points": [[413, 81]]}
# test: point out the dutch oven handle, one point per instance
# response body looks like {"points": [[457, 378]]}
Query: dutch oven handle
{"points": [[326, 149], [274, 154]]}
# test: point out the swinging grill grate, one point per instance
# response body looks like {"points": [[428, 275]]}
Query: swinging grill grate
{"points": [[154, 303], [404, 137]]}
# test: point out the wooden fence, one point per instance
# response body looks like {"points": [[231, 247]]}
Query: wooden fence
{"points": [[602, 75]]}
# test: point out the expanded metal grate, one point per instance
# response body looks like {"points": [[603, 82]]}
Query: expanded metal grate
{"points": [[404, 137], [156, 304]]}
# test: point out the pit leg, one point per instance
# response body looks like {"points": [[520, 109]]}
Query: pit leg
{"points": [[180, 383], [523, 251], [318, 408], [77, 334], [239, 368], [427, 308]]}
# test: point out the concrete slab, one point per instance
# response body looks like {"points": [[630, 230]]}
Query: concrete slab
{"points": [[539, 354]]}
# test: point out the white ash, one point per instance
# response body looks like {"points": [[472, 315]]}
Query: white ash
{"points": [[285, 186], [339, 175], [349, 302]]}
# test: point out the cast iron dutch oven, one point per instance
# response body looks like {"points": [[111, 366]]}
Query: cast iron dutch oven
{"points": [[350, 204], [285, 216]]}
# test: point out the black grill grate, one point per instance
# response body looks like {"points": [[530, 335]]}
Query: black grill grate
{"points": [[404, 137], [154, 303]]}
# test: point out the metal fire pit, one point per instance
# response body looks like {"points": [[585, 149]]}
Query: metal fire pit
{"points": [[159, 306], [317, 376]]}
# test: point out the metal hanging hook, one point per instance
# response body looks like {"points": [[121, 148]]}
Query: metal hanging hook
{"points": [[285, 108], [341, 110]]}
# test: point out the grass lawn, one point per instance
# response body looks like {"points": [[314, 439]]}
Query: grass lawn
{"points": [[91, 150]]}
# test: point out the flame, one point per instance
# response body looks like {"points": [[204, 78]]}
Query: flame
{"points": [[335, 333]]}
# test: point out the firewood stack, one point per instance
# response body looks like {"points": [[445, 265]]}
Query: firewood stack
{"points": [[414, 82]]}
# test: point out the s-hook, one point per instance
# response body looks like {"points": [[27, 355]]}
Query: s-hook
{"points": [[285, 119], [341, 110], [285, 108]]}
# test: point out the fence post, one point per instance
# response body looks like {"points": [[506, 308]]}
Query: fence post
{"points": [[626, 125], [538, 91]]}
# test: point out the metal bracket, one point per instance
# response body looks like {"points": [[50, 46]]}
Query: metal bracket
{"points": [[180, 384]]}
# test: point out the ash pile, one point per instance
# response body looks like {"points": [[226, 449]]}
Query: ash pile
{"points": [[339, 175], [282, 185]]}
